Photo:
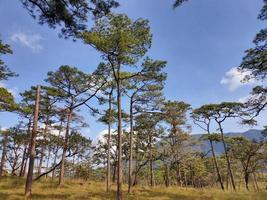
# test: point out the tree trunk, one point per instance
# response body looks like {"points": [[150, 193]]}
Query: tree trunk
{"points": [[179, 176], [25, 152], [246, 178], [131, 147], [119, 180], [114, 172], [227, 179], [57, 147], [255, 181], [43, 147], [25, 164], [65, 146], [23, 161], [3, 158], [216, 165], [41, 161], [14, 166], [47, 162], [151, 162], [227, 158], [167, 179], [109, 137], [185, 179], [28, 186]]}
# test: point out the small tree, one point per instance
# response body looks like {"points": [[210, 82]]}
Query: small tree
{"points": [[220, 113], [249, 153], [148, 132], [145, 94], [75, 88], [203, 117], [174, 113]]}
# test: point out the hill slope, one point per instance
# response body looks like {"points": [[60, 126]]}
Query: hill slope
{"points": [[250, 134]]}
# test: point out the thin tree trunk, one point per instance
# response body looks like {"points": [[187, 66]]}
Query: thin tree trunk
{"points": [[3, 158], [179, 176], [43, 147], [246, 177], [25, 164], [227, 179], [25, 152], [114, 172], [131, 147], [119, 180], [14, 164], [151, 162], [216, 165], [65, 146], [255, 181], [135, 182], [23, 160], [185, 179], [109, 137], [57, 147], [47, 162], [28, 186], [39, 171], [167, 179], [227, 157]]}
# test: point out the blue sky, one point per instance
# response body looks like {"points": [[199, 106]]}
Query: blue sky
{"points": [[202, 41]]}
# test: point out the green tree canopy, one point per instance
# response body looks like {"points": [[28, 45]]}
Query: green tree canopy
{"points": [[70, 15]]}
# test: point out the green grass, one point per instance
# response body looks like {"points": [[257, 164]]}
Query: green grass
{"points": [[13, 189]]}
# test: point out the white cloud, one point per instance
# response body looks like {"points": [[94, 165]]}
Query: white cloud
{"points": [[29, 40], [100, 135], [233, 79], [4, 128]]}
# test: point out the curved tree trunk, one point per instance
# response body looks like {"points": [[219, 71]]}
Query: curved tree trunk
{"points": [[65, 146]]}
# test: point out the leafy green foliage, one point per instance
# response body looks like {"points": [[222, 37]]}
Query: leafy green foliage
{"points": [[178, 3], [7, 102], [70, 15], [5, 72], [121, 40], [255, 60]]}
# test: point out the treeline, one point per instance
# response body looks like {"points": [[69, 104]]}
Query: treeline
{"points": [[148, 137]]}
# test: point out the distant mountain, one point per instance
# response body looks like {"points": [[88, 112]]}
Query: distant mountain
{"points": [[218, 147]]}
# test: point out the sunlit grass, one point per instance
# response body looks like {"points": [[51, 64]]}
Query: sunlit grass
{"points": [[13, 189]]}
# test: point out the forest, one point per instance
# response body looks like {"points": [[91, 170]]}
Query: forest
{"points": [[147, 150]]}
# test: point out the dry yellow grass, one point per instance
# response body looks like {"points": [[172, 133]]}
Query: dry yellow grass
{"points": [[13, 188]]}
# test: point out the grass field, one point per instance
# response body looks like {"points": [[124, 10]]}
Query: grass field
{"points": [[13, 188]]}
